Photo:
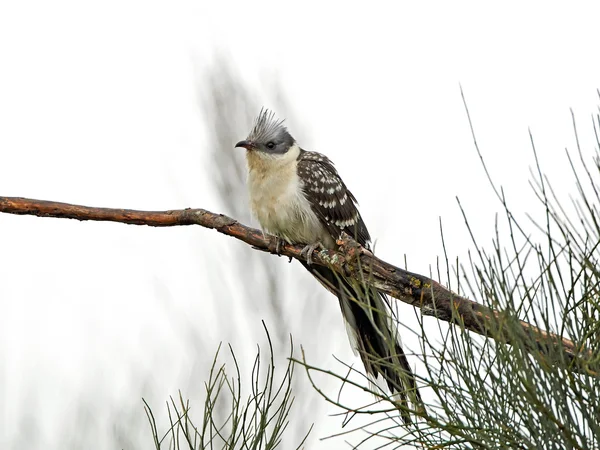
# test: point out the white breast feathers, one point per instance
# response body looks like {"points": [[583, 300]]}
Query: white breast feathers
{"points": [[278, 201]]}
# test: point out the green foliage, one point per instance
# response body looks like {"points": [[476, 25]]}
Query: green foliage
{"points": [[230, 420]]}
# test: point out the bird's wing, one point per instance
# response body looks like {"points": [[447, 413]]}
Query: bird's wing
{"points": [[372, 330], [330, 199]]}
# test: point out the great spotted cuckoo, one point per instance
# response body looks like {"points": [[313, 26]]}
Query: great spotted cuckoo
{"points": [[299, 197]]}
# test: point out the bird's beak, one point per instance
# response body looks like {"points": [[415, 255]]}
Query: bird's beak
{"points": [[248, 145]]}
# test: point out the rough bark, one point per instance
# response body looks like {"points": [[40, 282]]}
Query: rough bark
{"points": [[417, 290]]}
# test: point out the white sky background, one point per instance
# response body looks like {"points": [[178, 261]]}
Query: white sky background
{"points": [[98, 106]]}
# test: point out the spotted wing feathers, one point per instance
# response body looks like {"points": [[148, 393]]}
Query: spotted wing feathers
{"points": [[330, 199]]}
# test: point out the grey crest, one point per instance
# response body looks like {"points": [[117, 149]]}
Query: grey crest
{"points": [[269, 134]]}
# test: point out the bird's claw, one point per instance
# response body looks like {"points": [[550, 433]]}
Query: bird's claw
{"points": [[276, 249], [307, 252], [278, 244]]}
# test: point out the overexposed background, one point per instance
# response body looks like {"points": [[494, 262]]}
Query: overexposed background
{"points": [[105, 104]]}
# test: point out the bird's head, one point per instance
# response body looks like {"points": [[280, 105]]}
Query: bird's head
{"points": [[269, 136]]}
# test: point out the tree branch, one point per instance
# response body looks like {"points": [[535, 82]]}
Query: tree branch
{"points": [[353, 260]]}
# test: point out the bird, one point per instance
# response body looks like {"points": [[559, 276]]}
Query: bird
{"points": [[299, 197]]}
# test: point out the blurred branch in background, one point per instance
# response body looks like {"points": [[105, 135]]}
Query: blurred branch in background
{"points": [[228, 106]]}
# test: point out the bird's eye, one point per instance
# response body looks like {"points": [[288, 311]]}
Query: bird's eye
{"points": [[270, 145]]}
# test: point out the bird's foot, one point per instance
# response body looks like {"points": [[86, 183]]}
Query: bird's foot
{"points": [[307, 251], [276, 249]]}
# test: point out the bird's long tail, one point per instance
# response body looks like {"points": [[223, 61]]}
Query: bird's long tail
{"points": [[376, 336]]}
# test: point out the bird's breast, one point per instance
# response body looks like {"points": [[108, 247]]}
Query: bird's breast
{"points": [[279, 203]]}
